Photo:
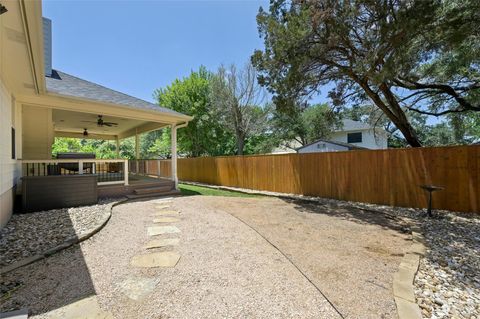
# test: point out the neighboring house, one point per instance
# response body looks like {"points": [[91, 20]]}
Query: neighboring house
{"points": [[327, 146], [360, 134], [352, 135], [38, 103]]}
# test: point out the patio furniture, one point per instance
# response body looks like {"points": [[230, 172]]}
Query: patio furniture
{"points": [[73, 167]]}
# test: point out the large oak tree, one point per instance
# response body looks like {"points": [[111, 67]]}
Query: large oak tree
{"points": [[404, 56]]}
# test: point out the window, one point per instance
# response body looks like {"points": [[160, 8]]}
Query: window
{"points": [[354, 137], [13, 143]]}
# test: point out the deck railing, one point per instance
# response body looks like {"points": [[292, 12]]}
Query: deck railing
{"points": [[151, 167], [108, 171]]}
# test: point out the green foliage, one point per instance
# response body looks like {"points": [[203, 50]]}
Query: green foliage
{"points": [[305, 125], [205, 135], [101, 148], [238, 103], [161, 146]]}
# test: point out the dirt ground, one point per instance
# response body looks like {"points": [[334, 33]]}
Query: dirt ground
{"points": [[351, 255], [226, 268]]}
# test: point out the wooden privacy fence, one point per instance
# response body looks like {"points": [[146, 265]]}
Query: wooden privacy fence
{"points": [[391, 177], [160, 168]]}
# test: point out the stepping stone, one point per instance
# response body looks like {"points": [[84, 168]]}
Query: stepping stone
{"points": [[162, 259], [159, 230], [166, 213], [83, 308], [137, 288], [16, 314], [158, 243], [166, 220]]}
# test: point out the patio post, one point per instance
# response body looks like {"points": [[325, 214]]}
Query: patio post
{"points": [[174, 155], [118, 146], [137, 150]]}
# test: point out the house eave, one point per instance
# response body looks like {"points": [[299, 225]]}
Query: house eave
{"points": [[31, 14], [69, 103]]}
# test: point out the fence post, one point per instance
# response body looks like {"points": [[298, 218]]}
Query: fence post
{"points": [[80, 167], [158, 168]]}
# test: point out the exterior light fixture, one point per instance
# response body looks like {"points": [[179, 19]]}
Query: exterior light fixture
{"points": [[3, 9], [85, 132]]}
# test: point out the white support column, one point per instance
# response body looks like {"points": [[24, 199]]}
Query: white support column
{"points": [[117, 146], [125, 172], [80, 167], [137, 150], [174, 155]]}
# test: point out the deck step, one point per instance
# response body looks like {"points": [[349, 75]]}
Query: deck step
{"points": [[154, 184], [159, 194], [153, 190]]}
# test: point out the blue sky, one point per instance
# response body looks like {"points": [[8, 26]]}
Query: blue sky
{"points": [[138, 46]]}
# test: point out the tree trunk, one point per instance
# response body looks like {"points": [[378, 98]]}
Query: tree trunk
{"points": [[393, 111], [400, 120], [240, 144]]}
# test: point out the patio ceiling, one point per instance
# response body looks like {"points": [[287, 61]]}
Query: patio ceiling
{"points": [[72, 124]]}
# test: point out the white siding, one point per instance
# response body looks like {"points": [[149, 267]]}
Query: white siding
{"points": [[368, 139], [8, 172]]}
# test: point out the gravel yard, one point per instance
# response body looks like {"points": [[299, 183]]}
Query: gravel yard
{"points": [[226, 270], [229, 269], [29, 234]]}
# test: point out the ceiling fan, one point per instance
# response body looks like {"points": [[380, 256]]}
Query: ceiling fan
{"points": [[100, 122]]}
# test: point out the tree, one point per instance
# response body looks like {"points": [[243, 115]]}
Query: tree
{"points": [[204, 135], [456, 129], [419, 55], [305, 125], [237, 99]]}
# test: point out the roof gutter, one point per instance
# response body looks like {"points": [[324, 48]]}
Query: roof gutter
{"points": [[31, 13], [181, 125]]}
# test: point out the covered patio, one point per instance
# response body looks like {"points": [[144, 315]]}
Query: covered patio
{"points": [[76, 108]]}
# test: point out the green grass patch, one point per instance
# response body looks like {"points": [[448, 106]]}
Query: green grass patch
{"points": [[188, 190]]}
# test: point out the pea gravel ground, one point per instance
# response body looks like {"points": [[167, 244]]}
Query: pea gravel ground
{"points": [[227, 269]]}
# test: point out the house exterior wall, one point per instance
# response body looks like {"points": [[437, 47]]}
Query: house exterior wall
{"points": [[368, 139], [9, 169], [38, 133], [321, 146]]}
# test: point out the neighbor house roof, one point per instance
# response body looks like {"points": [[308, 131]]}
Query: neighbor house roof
{"points": [[348, 145], [69, 85]]}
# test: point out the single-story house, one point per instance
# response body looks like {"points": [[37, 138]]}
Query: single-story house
{"points": [[39, 103], [327, 146]]}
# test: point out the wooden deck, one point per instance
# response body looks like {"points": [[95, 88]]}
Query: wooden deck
{"points": [[139, 186]]}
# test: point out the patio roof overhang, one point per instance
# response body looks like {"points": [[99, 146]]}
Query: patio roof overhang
{"points": [[71, 115]]}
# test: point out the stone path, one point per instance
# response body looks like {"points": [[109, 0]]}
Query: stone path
{"points": [[139, 287]]}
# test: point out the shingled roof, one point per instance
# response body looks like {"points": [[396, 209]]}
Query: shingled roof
{"points": [[69, 85]]}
